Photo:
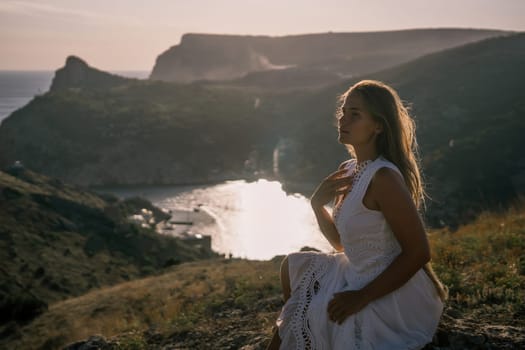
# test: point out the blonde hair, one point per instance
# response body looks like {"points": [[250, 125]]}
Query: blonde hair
{"points": [[397, 142]]}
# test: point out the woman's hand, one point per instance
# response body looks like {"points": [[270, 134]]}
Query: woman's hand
{"points": [[334, 184], [346, 303]]}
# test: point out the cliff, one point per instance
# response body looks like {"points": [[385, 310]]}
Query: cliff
{"points": [[224, 57], [76, 73]]}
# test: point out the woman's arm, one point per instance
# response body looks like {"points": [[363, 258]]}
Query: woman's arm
{"points": [[396, 204], [327, 226], [331, 186], [393, 198]]}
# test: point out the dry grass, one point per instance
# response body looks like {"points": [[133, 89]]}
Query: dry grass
{"points": [[180, 299], [41, 184], [483, 264]]}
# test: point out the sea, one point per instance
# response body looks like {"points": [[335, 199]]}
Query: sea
{"points": [[251, 219]]}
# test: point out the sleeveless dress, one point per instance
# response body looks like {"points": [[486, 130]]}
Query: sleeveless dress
{"points": [[406, 318]]}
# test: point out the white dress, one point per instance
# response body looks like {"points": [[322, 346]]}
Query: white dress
{"points": [[406, 318]]}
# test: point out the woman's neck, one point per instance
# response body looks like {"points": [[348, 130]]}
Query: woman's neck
{"points": [[365, 154]]}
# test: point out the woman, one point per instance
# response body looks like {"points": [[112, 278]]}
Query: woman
{"points": [[378, 290]]}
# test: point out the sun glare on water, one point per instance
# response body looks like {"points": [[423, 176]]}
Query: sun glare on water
{"points": [[270, 222], [254, 220]]}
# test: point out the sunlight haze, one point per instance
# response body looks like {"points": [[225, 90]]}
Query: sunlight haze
{"points": [[128, 35]]}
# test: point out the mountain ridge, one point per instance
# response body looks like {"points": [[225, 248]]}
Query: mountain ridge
{"points": [[222, 57]]}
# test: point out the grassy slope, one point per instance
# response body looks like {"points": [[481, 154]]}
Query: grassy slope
{"points": [[58, 241], [483, 264], [153, 121], [231, 303], [203, 297]]}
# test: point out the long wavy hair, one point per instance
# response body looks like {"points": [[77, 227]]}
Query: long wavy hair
{"points": [[397, 142]]}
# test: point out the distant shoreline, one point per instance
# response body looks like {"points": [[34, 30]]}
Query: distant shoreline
{"points": [[18, 87], [53, 71]]}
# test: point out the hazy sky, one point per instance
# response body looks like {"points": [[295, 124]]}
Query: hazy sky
{"points": [[129, 34]]}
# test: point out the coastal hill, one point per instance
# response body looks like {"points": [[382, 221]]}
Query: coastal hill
{"points": [[233, 304], [60, 241], [335, 55], [467, 102], [469, 109], [77, 74]]}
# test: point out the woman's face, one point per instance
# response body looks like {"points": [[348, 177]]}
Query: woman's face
{"points": [[356, 126]]}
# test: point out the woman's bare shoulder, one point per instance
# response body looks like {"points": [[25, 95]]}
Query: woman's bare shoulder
{"points": [[388, 184], [388, 174]]}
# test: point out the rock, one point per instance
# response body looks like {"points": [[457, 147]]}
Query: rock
{"points": [[476, 339], [94, 342], [78, 74], [465, 334]]}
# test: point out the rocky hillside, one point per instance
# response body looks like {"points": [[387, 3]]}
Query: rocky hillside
{"points": [[59, 241], [139, 133], [233, 304], [224, 57]]}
